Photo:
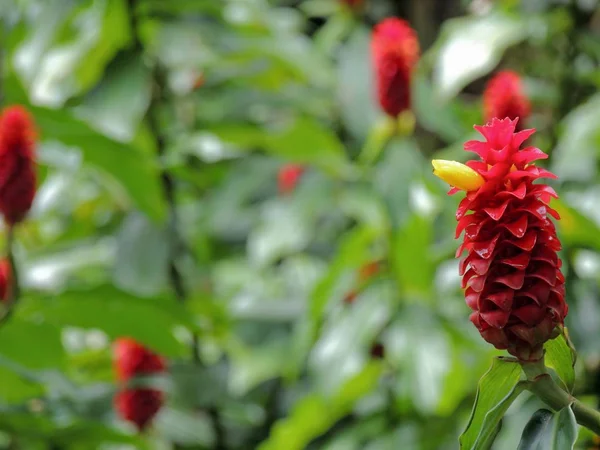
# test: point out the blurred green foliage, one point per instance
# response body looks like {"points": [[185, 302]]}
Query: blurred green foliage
{"points": [[162, 129]]}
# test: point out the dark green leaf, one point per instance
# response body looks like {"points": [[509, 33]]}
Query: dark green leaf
{"points": [[550, 431], [534, 430]]}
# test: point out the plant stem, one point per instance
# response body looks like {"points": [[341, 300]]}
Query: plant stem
{"points": [[554, 396], [168, 186], [14, 289]]}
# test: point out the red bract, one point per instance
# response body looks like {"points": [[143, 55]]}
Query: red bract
{"points": [[511, 272], [138, 406], [5, 280], [17, 164], [395, 51], [504, 97], [288, 178], [133, 359]]}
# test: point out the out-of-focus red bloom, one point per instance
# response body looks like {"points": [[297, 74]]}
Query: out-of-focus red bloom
{"points": [[511, 273], [132, 358], [17, 163], [5, 280], [365, 273], [199, 82], [138, 406], [504, 97], [288, 177], [369, 270], [395, 51], [350, 297]]}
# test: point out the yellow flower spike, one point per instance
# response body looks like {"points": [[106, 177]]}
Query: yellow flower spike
{"points": [[457, 174]]}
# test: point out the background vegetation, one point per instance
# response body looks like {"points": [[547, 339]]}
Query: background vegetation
{"points": [[163, 125]]}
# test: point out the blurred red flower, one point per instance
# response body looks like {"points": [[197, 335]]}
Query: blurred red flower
{"points": [[504, 97], [17, 163], [395, 52], [137, 405], [5, 279], [288, 178]]}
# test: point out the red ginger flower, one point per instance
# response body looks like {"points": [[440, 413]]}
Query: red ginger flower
{"points": [[504, 97], [5, 280], [288, 178], [132, 359], [395, 52], [511, 272], [17, 164], [137, 405]]}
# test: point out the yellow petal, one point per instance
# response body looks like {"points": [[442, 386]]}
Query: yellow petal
{"points": [[457, 174]]}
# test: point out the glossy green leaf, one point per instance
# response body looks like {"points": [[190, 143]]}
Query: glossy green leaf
{"points": [[497, 389], [559, 357], [534, 430], [118, 161], [469, 47], [550, 431]]}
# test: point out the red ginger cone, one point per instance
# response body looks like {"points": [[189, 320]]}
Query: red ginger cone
{"points": [[504, 97], [395, 52], [511, 274], [137, 405], [5, 280], [288, 177], [17, 164]]}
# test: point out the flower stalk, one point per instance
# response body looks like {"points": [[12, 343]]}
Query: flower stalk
{"points": [[542, 385]]}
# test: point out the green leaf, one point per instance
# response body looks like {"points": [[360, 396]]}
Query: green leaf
{"points": [[308, 142], [411, 256], [118, 104], [575, 228], [550, 431], [430, 114], [68, 57], [576, 153], [118, 161], [534, 430], [560, 358], [26, 345], [496, 390], [353, 251], [469, 47], [356, 93], [151, 321], [314, 414], [142, 256]]}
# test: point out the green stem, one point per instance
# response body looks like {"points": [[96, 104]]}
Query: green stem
{"points": [[554, 396], [14, 289]]}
